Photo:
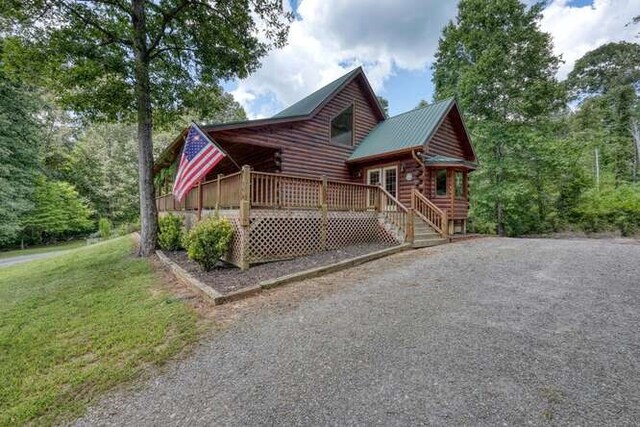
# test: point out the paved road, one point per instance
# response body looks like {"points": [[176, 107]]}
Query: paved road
{"points": [[482, 332], [5, 262]]}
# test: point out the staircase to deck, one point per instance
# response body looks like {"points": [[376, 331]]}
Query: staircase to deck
{"points": [[429, 222], [424, 235]]}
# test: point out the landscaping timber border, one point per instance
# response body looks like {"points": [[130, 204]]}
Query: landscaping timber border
{"points": [[218, 298]]}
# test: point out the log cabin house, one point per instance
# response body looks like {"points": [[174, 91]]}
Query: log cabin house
{"points": [[332, 170]]}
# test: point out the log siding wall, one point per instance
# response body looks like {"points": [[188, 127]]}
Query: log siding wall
{"points": [[305, 145], [449, 140]]}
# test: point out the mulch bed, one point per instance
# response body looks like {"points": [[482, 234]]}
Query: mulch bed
{"points": [[227, 278]]}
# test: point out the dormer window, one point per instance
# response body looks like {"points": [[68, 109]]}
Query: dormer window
{"points": [[342, 127]]}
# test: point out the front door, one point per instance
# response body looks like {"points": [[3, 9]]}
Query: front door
{"points": [[387, 177]]}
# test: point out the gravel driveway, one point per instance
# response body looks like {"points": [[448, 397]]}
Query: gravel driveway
{"points": [[6, 262], [482, 332]]}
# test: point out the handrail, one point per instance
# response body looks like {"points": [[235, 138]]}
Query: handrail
{"points": [[396, 201], [223, 177], [398, 216], [429, 212], [303, 177]]}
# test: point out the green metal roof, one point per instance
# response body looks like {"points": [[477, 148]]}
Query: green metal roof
{"points": [[439, 159], [307, 105], [404, 131]]}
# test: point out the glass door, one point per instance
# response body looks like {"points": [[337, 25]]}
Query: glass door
{"points": [[373, 178], [386, 177]]}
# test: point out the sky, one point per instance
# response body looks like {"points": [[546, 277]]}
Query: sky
{"points": [[395, 42]]}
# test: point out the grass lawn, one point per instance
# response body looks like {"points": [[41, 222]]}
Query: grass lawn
{"points": [[42, 249], [78, 324]]}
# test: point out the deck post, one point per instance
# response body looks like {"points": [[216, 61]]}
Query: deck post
{"points": [[445, 223], [218, 194], [324, 222], [199, 200], [410, 220], [378, 200], [245, 214]]}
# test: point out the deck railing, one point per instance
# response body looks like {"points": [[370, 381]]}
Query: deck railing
{"points": [[275, 191], [249, 189], [270, 190], [429, 212]]}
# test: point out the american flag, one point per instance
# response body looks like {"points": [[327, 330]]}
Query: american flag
{"points": [[199, 156]]}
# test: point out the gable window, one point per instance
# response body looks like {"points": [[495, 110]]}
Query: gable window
{"points": [[459, 184], [441, 182], [342, 127]]}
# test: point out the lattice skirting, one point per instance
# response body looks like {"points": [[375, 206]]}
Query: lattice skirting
{"points": [[275, 235], [350, 228], [280, 234]]}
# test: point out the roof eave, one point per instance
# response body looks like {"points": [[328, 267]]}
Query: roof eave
{"points": [[464, 165], [159, 162], [405, 150], [255, 123]]}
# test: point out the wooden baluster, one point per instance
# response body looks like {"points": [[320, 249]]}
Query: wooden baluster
{"points": [[199, 200], [409, 232], [218, 193]]}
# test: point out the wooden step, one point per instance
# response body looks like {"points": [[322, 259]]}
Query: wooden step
{"points": [[425, 243], [425, 235]]}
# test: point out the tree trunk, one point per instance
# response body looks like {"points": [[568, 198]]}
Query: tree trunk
{"points": [[500, 229], [635, 132], [148, 212], [499, 206]]}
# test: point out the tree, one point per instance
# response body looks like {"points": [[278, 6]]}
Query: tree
{"points": [[58, 212], [423, 103], [500, 66], [384, 103], [121, 59], [103, 167], [19, 153], [604, 69], [609, 76]]}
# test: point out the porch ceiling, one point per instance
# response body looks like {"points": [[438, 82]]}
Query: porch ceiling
{"points": [[257, 156]]}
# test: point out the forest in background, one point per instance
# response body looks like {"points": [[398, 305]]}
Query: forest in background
{"points": [[553, 155], [62, 173]]}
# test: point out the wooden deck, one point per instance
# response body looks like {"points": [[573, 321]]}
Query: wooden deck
{"points": [[278, 216]]}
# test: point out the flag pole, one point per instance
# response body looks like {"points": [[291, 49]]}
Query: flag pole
{"points": [[214, 143]]}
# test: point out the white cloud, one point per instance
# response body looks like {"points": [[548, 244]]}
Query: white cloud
{"points": [[577, 30], [333, 36]]}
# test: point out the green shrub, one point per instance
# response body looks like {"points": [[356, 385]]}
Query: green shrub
{"points": [[170, 235], [611, 208], [121, 230], [105, 228], [208, 241]]}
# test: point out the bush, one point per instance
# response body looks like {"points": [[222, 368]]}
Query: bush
{"points": [[127, 228], [105, 228], [170, 235], [208, 241], [614, 208]]}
